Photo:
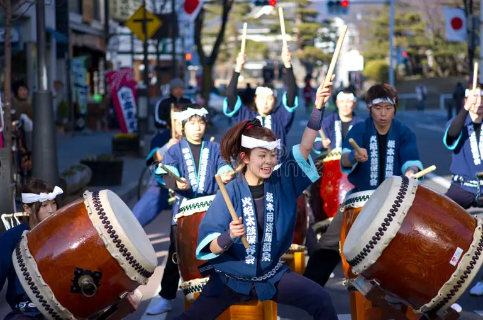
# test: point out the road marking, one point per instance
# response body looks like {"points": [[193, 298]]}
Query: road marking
{"points": [[431, 127], [439, 180]]}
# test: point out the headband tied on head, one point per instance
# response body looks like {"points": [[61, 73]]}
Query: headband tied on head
{"points": [[468, 92], [252, 143], [265, 90], [346, 96], [28, 198], [188, 113], [382, 100]]}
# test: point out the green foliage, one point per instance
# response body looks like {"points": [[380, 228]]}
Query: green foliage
{"points": [[377, 70]]}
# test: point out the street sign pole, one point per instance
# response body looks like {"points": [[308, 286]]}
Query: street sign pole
{"points": [[175, 67], [143, 95], [391, 42]]}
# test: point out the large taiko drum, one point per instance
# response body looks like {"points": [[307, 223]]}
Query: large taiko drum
{"points": [[333, 185], [84, 257], [417, 244], [350, 209], [189, 217]]}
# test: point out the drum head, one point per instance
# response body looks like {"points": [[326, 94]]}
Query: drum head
{"points": [[132, 228], [379, 221], [357, 199]]}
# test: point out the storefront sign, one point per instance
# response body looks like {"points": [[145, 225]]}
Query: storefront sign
{"points": [[124, 96], [122, 10], [79, 74]]}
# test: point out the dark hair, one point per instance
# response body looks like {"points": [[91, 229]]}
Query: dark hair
{"points": [[478, 86], [36, 186], [192, 106], [17, 85], [230, 144], [382, 91]]}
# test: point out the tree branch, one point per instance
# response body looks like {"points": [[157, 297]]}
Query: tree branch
{"points": [[227, 4], [198, 29], [30, 5]]}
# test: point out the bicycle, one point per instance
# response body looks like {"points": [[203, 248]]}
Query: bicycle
{"points": [[145, 181]]}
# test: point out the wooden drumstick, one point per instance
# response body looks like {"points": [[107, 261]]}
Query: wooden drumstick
{"points": [[479, 175], [330, 72], [424, 172], [173, 131], [354, 144], [244, 38], [175, 177], [212, 139], [322, 135], [282, 27], [238, 169], [221, 185]]}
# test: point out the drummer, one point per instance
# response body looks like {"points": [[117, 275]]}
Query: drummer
{"points": [[196, 161], [265, 202], [463, 137], [39, 202], [278, 118], [388, 149], [337, 125], [156, 197]]}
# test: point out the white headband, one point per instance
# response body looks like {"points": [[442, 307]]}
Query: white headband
{"points": [[265, 90], [252, 143], [468, 92], [33, 197], [188, 113], [345, 96], [382, 100]]}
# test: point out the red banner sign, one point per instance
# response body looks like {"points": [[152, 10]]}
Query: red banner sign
{"points": [[124, 96]]}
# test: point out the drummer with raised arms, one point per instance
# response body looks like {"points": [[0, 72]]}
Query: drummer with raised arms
{"points": [[265, 203], [194, 161], [278, 118], [388, 148], [39, 202], [337, 125]]}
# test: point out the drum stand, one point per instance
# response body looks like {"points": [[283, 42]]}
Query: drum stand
{"points": [[371, 291]]}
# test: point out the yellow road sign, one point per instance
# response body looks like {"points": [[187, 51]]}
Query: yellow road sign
{"points": [[135, 23]]}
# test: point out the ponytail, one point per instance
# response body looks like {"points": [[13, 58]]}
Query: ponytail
{"points": [[230, 144]]}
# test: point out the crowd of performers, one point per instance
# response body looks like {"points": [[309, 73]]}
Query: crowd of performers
{"points": [[264, 193]]}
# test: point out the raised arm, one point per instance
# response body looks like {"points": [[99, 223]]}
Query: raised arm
{"points": [[291, 83], [315, 120], [231, 90]]}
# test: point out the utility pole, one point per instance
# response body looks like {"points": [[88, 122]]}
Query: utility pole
{"points": [[173, 39], [391, 42], [481, 39], [6, 191], [107, 37], [143, 94], [44, 153]]}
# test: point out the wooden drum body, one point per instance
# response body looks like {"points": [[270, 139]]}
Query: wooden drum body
{"points": [[417, 244], [189, 217], [84, 257], [351, 209], [334, 185]]}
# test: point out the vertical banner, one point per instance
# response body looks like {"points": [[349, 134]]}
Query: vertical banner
{"points": [[124, 96], [79, 73]]}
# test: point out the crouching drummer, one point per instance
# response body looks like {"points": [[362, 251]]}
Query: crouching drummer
{"points": [[39, 202], [388, 149]]}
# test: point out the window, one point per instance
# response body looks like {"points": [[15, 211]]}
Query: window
{"points": [[75, 6]]}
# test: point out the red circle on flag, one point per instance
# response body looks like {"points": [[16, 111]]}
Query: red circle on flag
{"points": [[456, 23], [190, 6]]}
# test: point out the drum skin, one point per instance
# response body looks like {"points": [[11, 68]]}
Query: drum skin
{"points": [[186, 243], [66, 240], [300, 232], [415, 265], [350, 215], [334, 186]]}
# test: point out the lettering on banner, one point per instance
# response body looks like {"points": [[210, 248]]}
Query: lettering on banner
{"points": [[128, 107], [250, 224]]}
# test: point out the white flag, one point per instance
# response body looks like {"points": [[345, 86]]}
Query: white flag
{"points": [[455, 24], [190, 10]]}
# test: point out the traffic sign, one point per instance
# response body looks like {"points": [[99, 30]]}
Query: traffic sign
{"points": [[135, 23]]}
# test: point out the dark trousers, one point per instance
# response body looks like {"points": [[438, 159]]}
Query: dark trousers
{"points": [[462, 197], [22, 316], [170, 280], [292, 289]]}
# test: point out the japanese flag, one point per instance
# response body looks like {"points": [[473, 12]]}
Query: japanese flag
{"points": [[190, 11], [455, 24]]}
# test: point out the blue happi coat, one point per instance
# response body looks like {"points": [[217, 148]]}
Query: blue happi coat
{"points": [[332, 126], [260, 264], [401, 153], [280, 121], [15, 292], [179, 161], [467, 158]]}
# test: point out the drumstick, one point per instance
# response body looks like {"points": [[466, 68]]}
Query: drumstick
{"points": [[328, 76], [238, 169], [479, 175], [221, 185], [424, 172], [173, 131], [212, 139], [244, 38], [354, 144], [282, 26], [175, 177]]}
